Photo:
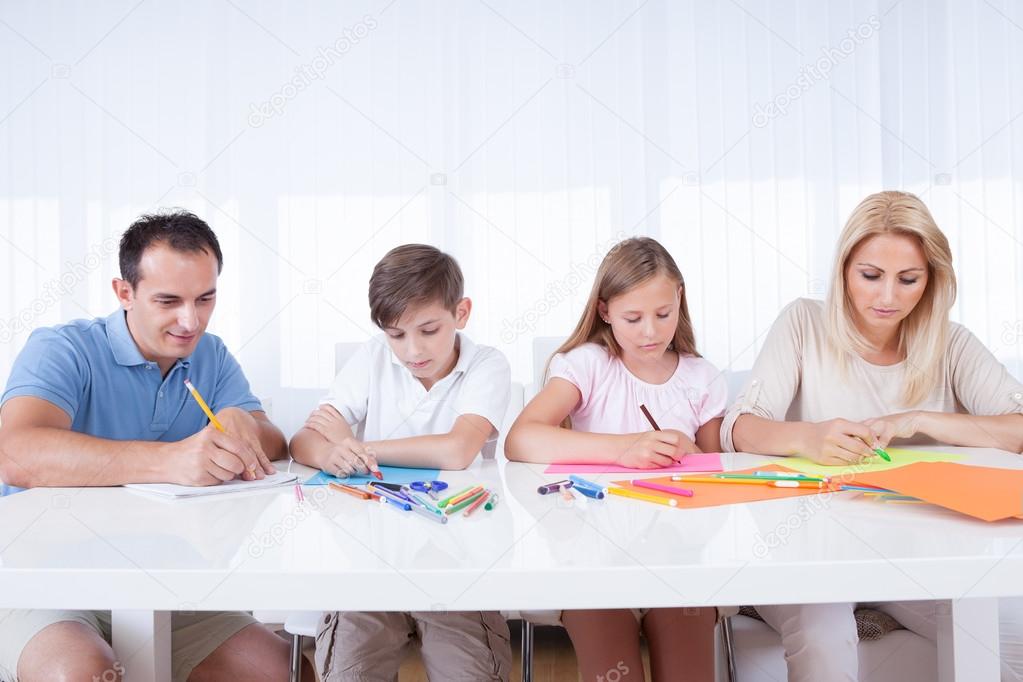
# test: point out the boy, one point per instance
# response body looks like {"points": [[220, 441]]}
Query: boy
{"points": [[422, 395]]}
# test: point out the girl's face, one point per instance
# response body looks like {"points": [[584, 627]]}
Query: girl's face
{"points": [[644, 318], [885, 278]]}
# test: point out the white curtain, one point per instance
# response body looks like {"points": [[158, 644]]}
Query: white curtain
{"points": [[522, 137]]}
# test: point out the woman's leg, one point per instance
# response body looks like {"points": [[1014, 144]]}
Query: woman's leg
{"points": [[820, 640], [681, 643], [606, 644]]}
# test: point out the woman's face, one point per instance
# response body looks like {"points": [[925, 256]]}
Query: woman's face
{"points": [[885, 278]]}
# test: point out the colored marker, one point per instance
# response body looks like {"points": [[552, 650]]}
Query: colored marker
{"points": [[684, 492], [549, 488], [390, 501], [354, 492], [447, 500], [579, 480], [491, 502], [626, 492], [816, 485], [880, 452], [459, 506], [436, 516], [478, 503], [398, 499], [472, 492]]}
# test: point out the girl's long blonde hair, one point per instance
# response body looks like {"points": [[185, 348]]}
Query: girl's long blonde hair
{"points": [[923, 334], [628, 264]]}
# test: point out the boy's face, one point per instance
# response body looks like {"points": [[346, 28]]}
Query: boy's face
{"points": [[423, 339], [169, 309]]}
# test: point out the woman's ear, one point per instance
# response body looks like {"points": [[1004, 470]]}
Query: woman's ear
{"points": [[602, 311]]}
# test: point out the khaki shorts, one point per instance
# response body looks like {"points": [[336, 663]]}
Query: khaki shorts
{"points": [[473, 646], [194, 636]]}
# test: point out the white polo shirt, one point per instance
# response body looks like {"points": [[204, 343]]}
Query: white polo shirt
{"points": [[382, 400]]}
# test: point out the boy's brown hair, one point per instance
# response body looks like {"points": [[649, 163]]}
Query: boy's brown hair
{"points": [[409, 275]]}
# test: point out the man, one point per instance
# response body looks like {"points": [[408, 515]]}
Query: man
{"points": [[101, 403]]}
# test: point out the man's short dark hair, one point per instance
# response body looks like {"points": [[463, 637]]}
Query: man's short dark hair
{"points": [[180, 230], [413, 274]]}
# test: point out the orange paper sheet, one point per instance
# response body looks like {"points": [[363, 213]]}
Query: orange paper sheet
{"points": [[717, 494], [982, 492]]}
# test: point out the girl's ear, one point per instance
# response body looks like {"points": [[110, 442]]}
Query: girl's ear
{"points": [[602, 311]]}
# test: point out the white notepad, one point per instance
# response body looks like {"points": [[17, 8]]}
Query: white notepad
{"points": [[173, 490]]}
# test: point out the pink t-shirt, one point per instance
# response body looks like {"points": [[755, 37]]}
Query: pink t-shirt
{"points": [[611, 394]]}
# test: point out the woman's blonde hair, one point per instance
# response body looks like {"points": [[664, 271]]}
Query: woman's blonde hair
{"points": [[628, 264], [923, 334]]}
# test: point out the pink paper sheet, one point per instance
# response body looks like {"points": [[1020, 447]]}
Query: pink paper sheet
{"points": [[696, 462]]}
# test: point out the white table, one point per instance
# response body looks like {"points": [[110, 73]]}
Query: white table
{"points": [[141, 557]]}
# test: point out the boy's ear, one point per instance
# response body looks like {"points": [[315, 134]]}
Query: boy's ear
{"points": [[462, 310], [125, 294]]}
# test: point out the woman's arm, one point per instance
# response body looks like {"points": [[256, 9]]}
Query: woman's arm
{"points": [[1004, 431]]}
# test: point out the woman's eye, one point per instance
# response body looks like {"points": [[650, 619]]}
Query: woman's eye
{"points": [[908, 281], [632, 321], [870, 277], [665, 316]]}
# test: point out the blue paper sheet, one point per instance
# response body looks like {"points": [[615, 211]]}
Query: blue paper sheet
{"points": [[391, 475]]}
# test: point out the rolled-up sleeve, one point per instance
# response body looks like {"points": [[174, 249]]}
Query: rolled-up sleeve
{"points": [[776, 373]]}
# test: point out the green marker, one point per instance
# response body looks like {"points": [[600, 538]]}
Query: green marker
{"points": [[452, 508], [882, 454]]}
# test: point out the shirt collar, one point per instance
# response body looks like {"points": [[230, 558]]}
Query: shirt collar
{"points": [[126, 351]]}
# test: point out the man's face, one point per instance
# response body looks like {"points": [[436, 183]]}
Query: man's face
{"points": [[169, 309]]}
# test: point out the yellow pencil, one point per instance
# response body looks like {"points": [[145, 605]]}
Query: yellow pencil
{"points": [[204, 406], [627, 492]]}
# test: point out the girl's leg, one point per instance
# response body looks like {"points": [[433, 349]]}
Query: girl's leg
{"points": [[606, 644], [681, 643]]}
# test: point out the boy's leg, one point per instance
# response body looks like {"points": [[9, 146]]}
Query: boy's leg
{"points": [[606, 643], [362, 646], [464, 645], [681, 640]]}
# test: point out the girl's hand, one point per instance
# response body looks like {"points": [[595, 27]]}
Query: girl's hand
{"points": [[889, 427], [840, 442], [649, 450]]}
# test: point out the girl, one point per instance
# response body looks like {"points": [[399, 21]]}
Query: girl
{"points": [[633, 346], [881, 354]]}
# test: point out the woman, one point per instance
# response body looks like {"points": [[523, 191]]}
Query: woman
{"points": [[877, 362]]}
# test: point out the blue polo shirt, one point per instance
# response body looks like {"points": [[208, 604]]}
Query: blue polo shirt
{"points": [[93, 370]]}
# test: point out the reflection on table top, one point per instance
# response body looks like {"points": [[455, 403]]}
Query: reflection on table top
{"points": [[114, 548]]}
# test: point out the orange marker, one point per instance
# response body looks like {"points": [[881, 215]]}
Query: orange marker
{"points": [[354, 492], [464, 496], [477, 504]]}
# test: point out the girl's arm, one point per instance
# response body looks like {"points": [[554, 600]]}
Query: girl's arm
{"points": [[708, 436], [537, 437]]}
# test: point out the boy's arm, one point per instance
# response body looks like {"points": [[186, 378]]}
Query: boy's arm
{"points": [[451, 451]]}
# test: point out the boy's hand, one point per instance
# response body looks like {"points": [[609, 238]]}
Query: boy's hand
{"points": [[329, 423], [349, 458]]}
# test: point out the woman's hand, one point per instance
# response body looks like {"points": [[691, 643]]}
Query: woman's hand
{"points": [[840, 442], [889, 427]]}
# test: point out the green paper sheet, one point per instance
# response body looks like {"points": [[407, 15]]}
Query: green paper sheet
{"points": [[900, 458]]}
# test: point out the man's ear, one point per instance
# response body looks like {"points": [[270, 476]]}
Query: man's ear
{"points": [[124, 292], [462, 311]]}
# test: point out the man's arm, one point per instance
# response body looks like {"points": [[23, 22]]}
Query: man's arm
{"points": [[38, 448]]}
